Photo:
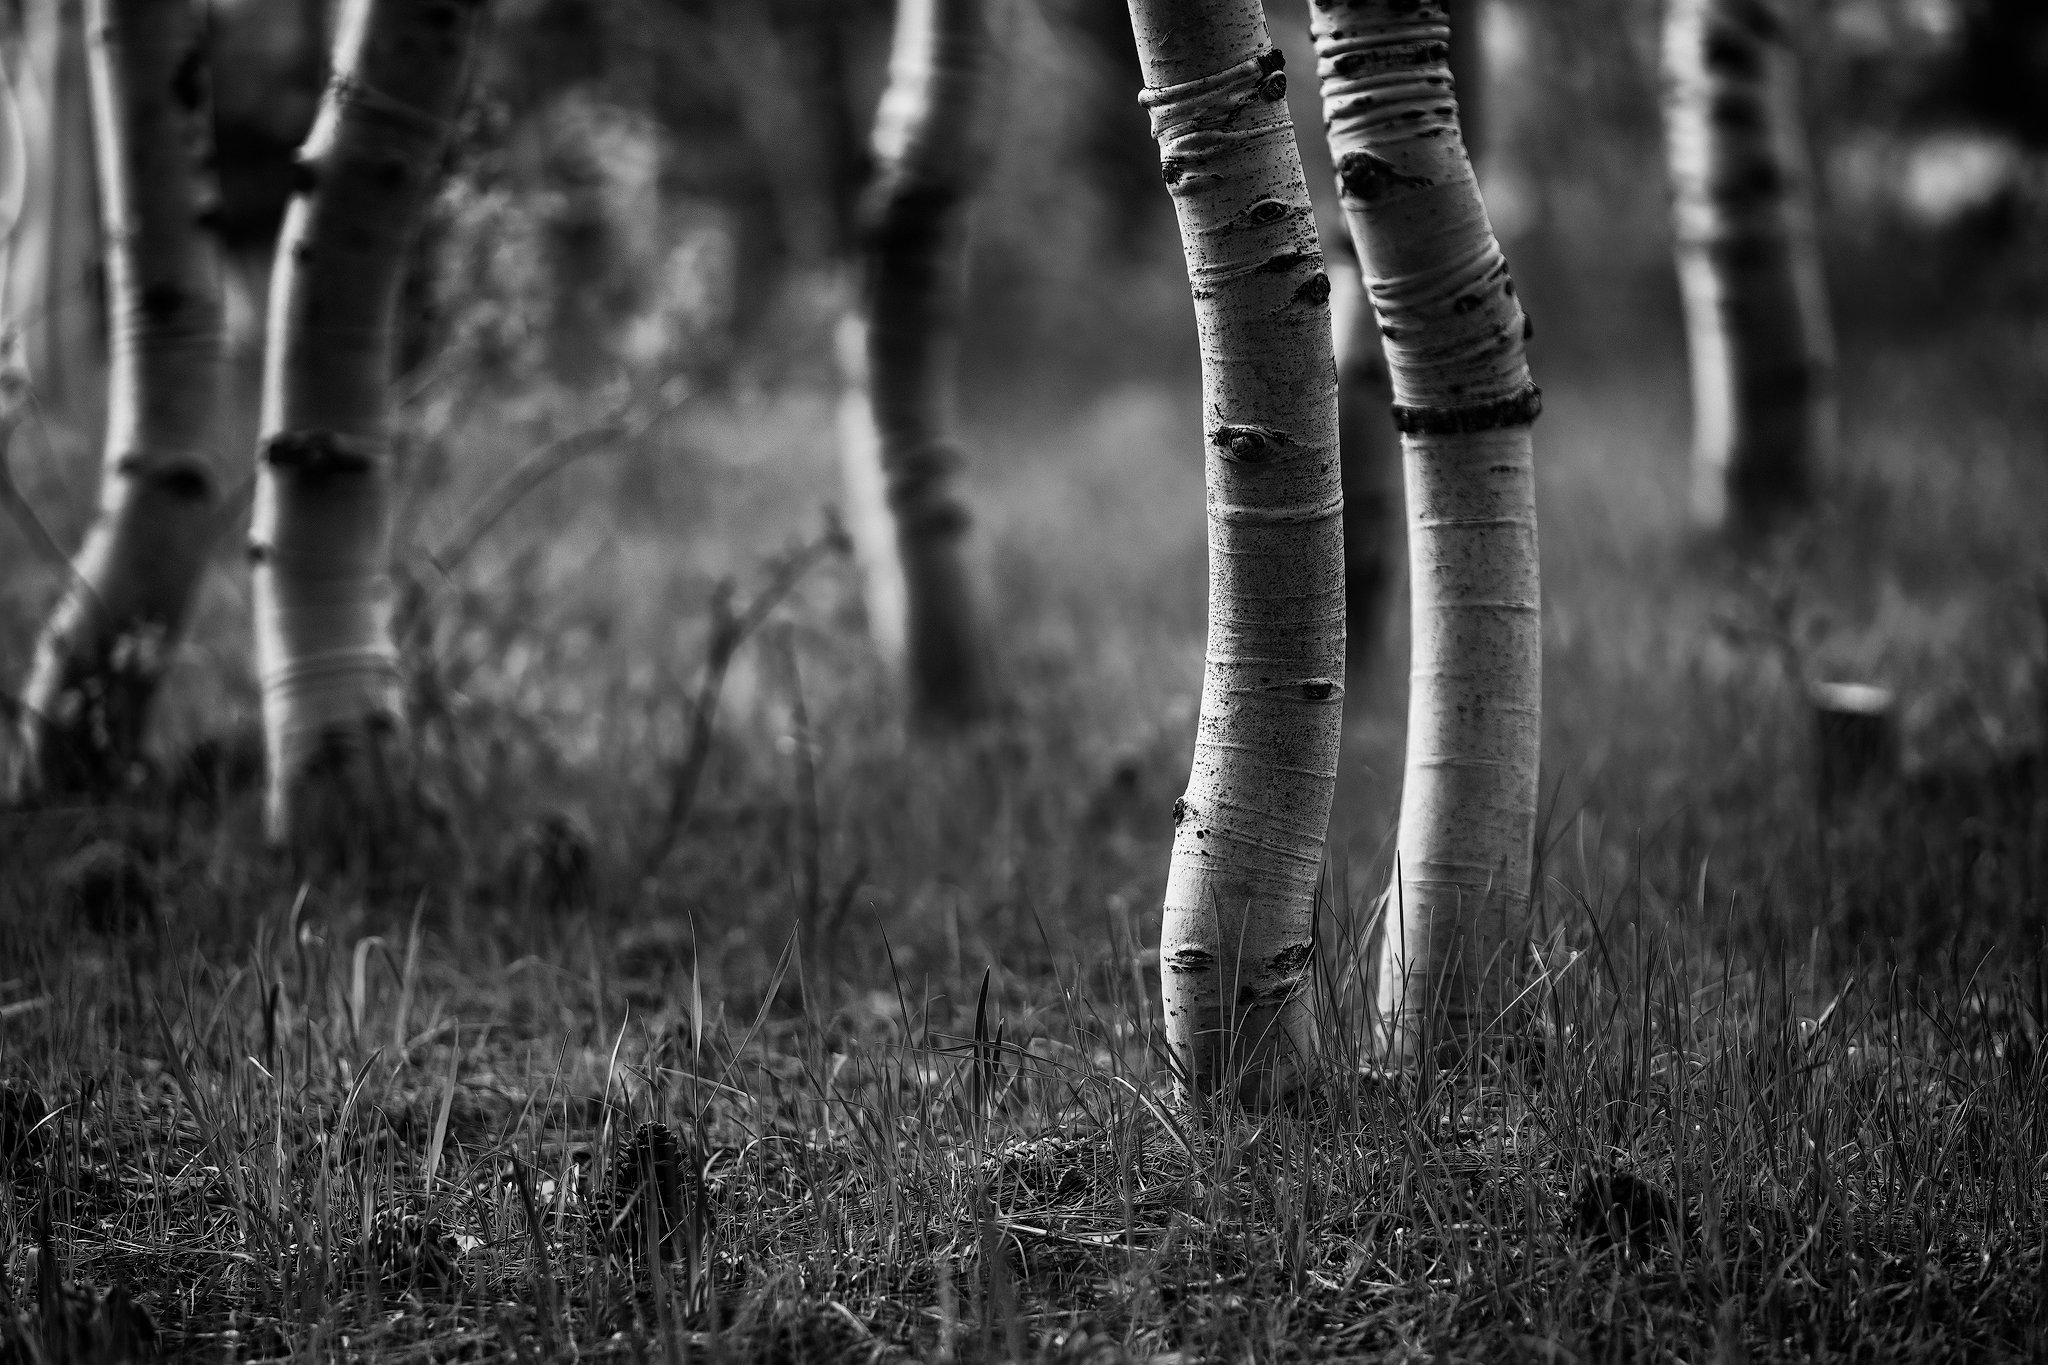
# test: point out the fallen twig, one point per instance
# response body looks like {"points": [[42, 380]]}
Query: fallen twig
{"points": [[536, 468]]}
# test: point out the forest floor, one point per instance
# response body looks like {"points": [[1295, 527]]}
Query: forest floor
{"points": [[1776, 1090]]}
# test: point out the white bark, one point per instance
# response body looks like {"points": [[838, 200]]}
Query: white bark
{"points": [[108, 642], [1748, 267], [869, 524], [1236, 948], [1464, 402], [323, 511], [53, 283]]}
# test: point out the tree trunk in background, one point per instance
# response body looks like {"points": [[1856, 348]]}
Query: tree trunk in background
{"points": [[54, 301], [108, 642], [1464, 403], [1238, 941], [908, 523], [1748, 267], [323, 641]]}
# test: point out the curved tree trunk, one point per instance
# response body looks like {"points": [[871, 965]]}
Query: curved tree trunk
{"points": [[1464, 402], [323, 640], [54, 301], [913, 236], [1374, 545], [1238, 939], [1748, 267], [107, 645]]}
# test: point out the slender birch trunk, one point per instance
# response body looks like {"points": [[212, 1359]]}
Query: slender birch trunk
{"points": [[928, 143], [1374, 548], [324, 488], [1464, 403], [109, 641], [1748, 266], [1238, 940], [53, 287]]}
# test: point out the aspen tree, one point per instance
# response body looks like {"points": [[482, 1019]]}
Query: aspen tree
{"points": [[907, 519], [54, 309], [1373, 544], [1749, 272], [107, 644], [324, 478], [1464, 402], [1238, 939]]}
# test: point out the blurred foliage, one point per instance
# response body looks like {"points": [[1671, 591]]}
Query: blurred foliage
{"points": [[654, 186]]}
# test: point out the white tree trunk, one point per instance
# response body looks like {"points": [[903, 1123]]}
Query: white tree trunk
{"points": [[1748, 266], [323, 510], [1237, 945], [53, 301], [928, 142], [107, 644], [1463, 399]]}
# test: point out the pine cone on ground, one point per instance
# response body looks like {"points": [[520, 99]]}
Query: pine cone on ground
{"points": [[647, 1172], [411, 1252]]}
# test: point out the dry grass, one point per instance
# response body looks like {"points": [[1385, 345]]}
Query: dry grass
{"points": [[1775, 1091]]}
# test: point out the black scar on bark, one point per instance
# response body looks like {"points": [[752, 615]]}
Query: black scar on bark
{"points": [[1291, 959], [1738, 110], [1190, 960], [1517, 410], [313, 453], [1733, 54], [1366, 177], [188, 82], [1315, 289], [161, 303], [1247, 445], [180, 480]]}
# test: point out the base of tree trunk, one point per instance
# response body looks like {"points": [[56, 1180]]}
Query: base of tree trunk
{"points": [[356, 806]]}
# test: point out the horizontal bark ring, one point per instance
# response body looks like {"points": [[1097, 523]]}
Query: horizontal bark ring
{"points": [[1517, 410], [319, 452]]}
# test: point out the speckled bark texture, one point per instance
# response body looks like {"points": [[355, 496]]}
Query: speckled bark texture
{"points": [[1237, 945], [1756, 316], [1464, 402], [323, 510], [107, 644], [902, 457]]}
